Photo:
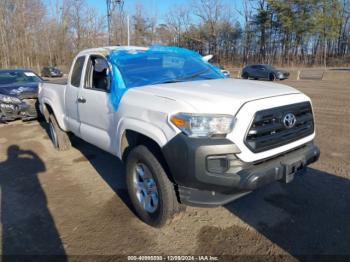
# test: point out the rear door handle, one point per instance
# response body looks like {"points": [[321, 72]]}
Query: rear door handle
{"points": [[81, 100]]}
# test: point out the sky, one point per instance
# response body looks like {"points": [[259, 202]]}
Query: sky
{"points": [[155, 7]]}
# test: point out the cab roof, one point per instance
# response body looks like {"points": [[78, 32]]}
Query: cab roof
{"points": [[107, 49]]}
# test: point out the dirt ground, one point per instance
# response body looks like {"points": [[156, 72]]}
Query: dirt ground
{"points": [[75, 202]]}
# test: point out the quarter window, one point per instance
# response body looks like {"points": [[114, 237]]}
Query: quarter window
{"points": [[77, 71]]}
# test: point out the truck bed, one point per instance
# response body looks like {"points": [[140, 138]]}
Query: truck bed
{"points": [[52, 93], [57, 81]]}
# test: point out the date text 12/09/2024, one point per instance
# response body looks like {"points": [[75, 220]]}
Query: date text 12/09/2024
{"points": [[173, 258]]}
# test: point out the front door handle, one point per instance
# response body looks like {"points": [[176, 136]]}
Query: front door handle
{"points": [[81, 100]]}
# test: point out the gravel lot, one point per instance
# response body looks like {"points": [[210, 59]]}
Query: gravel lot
{"points": [[75, 202]]}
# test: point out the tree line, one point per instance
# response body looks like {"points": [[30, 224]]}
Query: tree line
{"points": [[280, 32]]}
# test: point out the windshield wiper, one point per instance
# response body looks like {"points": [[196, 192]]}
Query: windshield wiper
{"points": [[181, 79], [194, 74]]}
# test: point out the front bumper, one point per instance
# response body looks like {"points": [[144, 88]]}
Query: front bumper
{"points": [[27, 110], [282, 76], [208, 173]]}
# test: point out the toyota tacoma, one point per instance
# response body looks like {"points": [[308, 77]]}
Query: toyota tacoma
{"points": [[187, 134]]}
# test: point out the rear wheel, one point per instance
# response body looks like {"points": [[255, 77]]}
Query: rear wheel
{"points": [[245, 76], [59, 138], [151, 192]]}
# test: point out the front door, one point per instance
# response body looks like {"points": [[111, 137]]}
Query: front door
{"points": [[95, 109]]}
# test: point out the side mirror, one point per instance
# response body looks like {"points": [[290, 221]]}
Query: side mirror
{"points": [[207, 57]]}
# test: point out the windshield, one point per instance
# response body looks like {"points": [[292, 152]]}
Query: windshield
{"points": [[12, 77], [270, 67], [149, 68], [156, 65]]}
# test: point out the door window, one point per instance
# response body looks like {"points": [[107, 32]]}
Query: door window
{"points": [[97, 74]]}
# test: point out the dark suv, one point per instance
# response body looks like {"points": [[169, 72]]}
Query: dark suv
{"points": [[51, 71], [264, 72]]}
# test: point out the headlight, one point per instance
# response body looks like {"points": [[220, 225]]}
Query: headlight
{"points": [[202, 125], [9, 99]]}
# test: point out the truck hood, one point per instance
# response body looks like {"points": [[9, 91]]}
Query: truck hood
{"points": [[224, 96]]}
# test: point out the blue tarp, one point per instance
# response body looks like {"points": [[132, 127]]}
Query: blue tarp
{"points": [[135, 68]]}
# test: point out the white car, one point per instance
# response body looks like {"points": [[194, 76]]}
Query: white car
{"points": [[187, 134]]}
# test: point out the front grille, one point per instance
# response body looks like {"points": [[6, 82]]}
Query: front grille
{"points": [[268, 131]]}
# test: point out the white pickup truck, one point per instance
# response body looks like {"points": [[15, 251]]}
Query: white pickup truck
{"points": [[188, 135]]}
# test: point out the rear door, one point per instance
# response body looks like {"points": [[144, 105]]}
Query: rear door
{"points": [[74, 85], [95, 109]]}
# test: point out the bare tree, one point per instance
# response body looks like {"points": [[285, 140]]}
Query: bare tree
{"points": [[34, 33], [178, 21]]}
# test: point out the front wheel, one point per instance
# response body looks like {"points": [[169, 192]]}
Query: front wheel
{"points": [[272, 77], [151, 192], [245, 76]]}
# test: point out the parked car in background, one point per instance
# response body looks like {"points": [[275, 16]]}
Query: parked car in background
{"points": [[18, 94], [264, 72], [223, 70], [51, 71], [187, 134]]}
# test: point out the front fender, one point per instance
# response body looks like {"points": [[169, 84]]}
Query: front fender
{"points": [[147, 129]]}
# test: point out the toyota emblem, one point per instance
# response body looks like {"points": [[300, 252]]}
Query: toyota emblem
{"points": [[289, 120]]}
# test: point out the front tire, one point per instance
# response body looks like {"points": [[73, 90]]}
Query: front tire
{"points": [[245, 76], [272, 77], [59, 138], [151, 192]]}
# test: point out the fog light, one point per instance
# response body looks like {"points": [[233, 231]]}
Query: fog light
{"points": [[217, 164]]}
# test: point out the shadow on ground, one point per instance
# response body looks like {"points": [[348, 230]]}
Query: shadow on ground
{"points": [[309, 216], [27, 224], [109, 167]]}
